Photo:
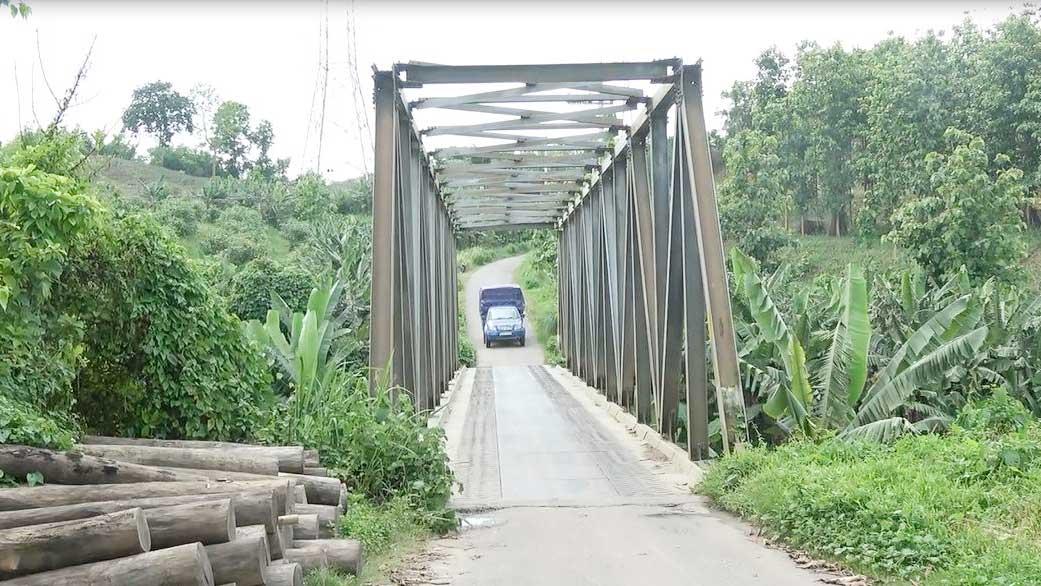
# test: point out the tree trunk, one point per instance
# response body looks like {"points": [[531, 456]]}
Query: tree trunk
{"points": [[239, 460], [52, 546], [208, 522], [74, 467], [284, 574], [306, 527], [340, 554], [53, 495], [321, 490], [327, 518], [184, 565], [241, 560], [290, 458], [250, 509]]}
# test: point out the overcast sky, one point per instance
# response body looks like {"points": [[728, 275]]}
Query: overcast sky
{"points": [[266, 54]]}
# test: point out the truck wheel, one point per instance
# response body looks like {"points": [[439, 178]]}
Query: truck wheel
{"points": [[522, 342], [487, 343]]}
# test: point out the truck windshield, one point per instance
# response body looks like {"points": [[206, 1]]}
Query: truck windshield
{"points": [[503, 312]]}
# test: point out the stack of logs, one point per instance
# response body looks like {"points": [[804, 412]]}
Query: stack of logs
{"points": [[164, 512]]}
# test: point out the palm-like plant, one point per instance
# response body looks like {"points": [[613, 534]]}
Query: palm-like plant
{"points": [[794, 400], [912, 390]]}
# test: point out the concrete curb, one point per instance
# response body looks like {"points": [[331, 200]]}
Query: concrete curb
{"points": [[463, 379], [677, 458]]}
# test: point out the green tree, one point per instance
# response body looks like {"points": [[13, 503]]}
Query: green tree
{"points": [[824, 106], [159, 109], [241, 148], [753, 194], [970, 217]]}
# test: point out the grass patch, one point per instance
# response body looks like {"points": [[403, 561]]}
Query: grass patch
{"points": [[829, 255], [963, 508], [389, 533], [133, 178], [540, 301]]}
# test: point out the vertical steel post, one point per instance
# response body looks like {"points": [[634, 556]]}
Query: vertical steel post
{"points": [[713, 266], [381, 328], [645, 291]]}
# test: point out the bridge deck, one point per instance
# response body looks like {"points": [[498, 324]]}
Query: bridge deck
{"points": [[555, 492]]}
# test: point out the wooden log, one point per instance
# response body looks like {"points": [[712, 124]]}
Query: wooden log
{"points": [[300, 494], [315, 471], [184, 565], [342, 505], [207, 522], [75, 467], [52, 546], [327, 518], [285, 538], [320, 489], [220, 459], [223, 475], [241, 560], [273, 543], [306, 528], [56, 495], [311, 458], [250, 509], [290, 458], [284, 575], [340, 554]]}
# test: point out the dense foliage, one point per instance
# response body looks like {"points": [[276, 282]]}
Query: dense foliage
{"points": [[854, 131]]}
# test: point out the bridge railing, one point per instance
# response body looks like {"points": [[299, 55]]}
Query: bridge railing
{"points": [[643, 278], [413, 323]]}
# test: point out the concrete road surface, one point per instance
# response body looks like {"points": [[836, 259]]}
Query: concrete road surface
{"points": [[556, 492]]}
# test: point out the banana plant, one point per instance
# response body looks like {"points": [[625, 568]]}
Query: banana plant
{"points": [[318, 342], [792, 399], [948, 339]]}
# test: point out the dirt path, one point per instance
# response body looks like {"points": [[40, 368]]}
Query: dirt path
{"points": [[498, 273], [556, 492]]}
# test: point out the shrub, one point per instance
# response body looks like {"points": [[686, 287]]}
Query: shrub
{"points": [[377, 527], [196, 162], [309, 197], [163, 356], [181, 214], [241, 250], [376, 443], [43, 218], [296, 232], [250, 291], [20, 423]]}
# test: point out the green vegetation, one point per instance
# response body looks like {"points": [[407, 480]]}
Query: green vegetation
{"points": [[538, 276], [890, 348], [954, 509]]}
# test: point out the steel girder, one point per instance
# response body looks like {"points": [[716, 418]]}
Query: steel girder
{"points": [[643, 284], [643, 287], [413, 324]]}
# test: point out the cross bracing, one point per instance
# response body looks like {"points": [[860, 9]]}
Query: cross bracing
{"points": [[615, 158]]}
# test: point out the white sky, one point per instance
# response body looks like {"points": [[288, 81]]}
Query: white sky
{"points": [[265, 54]]}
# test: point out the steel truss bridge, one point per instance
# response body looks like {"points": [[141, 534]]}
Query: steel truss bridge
{"points": [[612, 156]]}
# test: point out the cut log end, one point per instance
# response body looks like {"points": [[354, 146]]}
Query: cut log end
{"points": [[289, 574]]}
